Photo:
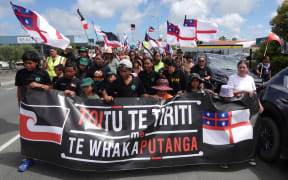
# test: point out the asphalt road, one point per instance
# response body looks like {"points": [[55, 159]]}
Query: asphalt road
{"points": [[10, 158]]}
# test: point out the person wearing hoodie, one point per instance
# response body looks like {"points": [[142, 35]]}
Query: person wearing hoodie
{"points": [[175, 77]]}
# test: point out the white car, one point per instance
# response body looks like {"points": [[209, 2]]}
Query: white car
{"points": [[4, 65]]}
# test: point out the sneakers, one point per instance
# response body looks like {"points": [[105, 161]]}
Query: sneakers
{"points": [[252, 162], [25, 165], [224, 166]]}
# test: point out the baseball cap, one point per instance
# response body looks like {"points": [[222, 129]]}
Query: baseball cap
{"points": [[125, 63], [87, 82], [83, 61]]}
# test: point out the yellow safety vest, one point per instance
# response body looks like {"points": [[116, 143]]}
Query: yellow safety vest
{"points": [[51, 65]]}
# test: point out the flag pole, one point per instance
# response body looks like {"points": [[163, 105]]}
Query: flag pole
{"points": [[266, 49], [95, 31]]}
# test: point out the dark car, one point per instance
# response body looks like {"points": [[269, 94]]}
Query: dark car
{"points": [[273, 123], [224, 66]]}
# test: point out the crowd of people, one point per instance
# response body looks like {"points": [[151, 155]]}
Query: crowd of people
{"points": [[107, 74]]}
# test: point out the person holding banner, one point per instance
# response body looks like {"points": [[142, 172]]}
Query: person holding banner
{"points": [[242, 82], [89, 89], [175, 77], [53, 60], [69, 83], [126, 85], [34, 77]]}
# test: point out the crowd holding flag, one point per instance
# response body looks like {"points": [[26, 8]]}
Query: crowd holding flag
{"points": [[38, 28]]}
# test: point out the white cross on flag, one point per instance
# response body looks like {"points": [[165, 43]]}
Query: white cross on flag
{"points": [[226, 127]]}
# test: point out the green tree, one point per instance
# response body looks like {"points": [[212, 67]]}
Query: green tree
{"points": [[13, 53], [222, 38], [280, 27], [234, 39], [280, 22]]}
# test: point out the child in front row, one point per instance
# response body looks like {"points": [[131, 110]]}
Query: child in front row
{"points": [[33, 77], [89, 89], [69, 83], [59, 70]]}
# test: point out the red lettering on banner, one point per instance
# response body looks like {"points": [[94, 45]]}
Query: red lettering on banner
{"points": [[150, 146], [84, 112], [186, 145], [194, 144], [143, 145], [168, 145], [160, 140], [177, 144]]}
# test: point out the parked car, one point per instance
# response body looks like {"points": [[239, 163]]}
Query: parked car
{"points": [[4, 65], [224, 66], [19, 65], [273, 123]]}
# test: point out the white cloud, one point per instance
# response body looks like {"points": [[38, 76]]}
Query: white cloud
{"points": [[104, 9], [279, 2], [273, 14], [63, 21], [232, 22], [232, 6], [193, 9]]}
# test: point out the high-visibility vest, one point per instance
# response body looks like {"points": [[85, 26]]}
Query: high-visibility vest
{"points": [[51, 65]]}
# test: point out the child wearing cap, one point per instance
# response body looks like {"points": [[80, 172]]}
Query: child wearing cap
{"points": [[82, 68], [69, 83], [34, 77], [194, 84], [88, 89], [162, 86]]}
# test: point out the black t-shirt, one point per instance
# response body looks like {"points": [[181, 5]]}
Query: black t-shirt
{"points": [[176, 80], [203, 72], [98, 74], [134, 89], [24, 77], [64, 83], [149, 80]]}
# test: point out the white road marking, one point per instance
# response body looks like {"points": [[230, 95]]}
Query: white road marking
{"points": [[8, 143]]}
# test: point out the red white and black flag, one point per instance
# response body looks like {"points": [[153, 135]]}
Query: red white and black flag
{"points": [[111, 40], [82, 19], [151, 29], [132, 27]]}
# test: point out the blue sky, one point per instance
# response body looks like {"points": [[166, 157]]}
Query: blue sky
{"points": [[244, 19]]}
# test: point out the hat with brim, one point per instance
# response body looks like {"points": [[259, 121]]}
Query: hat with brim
{"points": [[69, 47], [108, 51], [226, 91], [87, 82], [195, 76], [125, 63], [84, 61], [111, 73], [82, 49], [163, 85]]}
